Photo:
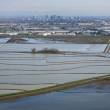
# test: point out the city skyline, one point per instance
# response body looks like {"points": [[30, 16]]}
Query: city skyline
{"points": [[61, 7]]}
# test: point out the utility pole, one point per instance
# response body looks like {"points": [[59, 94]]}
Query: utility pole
{"points": [[107, 49]]}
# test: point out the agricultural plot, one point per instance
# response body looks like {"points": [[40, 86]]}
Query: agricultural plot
{"points": [[26, 71]]}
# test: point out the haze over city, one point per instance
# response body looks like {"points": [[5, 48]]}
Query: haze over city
{"points": [[58, 7]]}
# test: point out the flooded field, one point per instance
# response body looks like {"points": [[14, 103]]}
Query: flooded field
{"points": [[60, 47], [27, 71], [94, 96]]}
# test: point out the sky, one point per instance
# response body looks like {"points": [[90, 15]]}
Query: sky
{"points": [[58, 7]]}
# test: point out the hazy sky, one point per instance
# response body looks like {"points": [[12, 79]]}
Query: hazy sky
{"points": [[60, 7]]}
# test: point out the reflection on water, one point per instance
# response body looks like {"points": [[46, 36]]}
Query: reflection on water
{"points": [[42, 70], [18, 70], [61, 47], [82, 98], [61, 102], [24, 71], [40, 44]]}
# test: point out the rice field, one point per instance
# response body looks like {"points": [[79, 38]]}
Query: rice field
{"points": [[26, 71]]}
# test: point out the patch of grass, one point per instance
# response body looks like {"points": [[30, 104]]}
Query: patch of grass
{"points": [[45, 51], [33, 51], [16, 40], [49, 51]]}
